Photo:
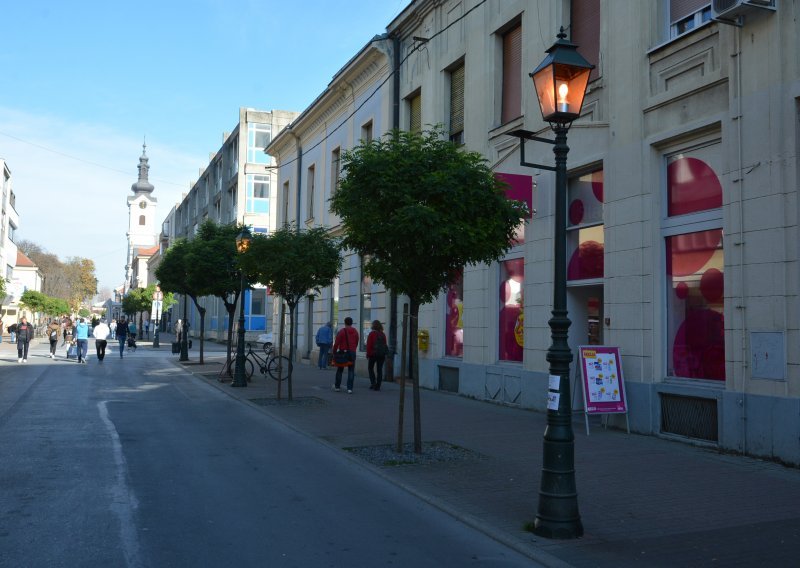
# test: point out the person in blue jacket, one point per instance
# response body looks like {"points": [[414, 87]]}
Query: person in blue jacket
{"points": [[82, 338], [324, 342]]}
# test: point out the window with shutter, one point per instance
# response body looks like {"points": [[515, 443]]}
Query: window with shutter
{"points": [[512, 74], [585, 32], [457, 104], [415, 112]]}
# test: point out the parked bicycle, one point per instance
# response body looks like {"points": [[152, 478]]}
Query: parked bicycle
{"points": [[278, 368]]}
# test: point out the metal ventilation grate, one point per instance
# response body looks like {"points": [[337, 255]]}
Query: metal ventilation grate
{"points": [[690, 417]]}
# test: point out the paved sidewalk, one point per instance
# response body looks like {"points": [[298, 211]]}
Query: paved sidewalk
{"points": [[643, 501]]}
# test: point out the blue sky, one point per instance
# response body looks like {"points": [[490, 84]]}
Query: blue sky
{"points": [[85, 81]]}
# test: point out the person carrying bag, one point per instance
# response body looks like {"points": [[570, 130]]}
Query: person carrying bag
{"points": [[344, 355]]}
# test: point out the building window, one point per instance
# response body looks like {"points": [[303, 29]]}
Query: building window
{"points": [[256, 316], [286, 203], [257, 194], [258, 138], [585, 231], [512, 74], [366, 132], [585, 31], [415, 112], [336, 165], [457, 104], [12, 232], [512, 318], [454, 313], [333, 312], [233, 158], [365, 305], [695, 265], [686, 15], [141, 219], [310, 189]]}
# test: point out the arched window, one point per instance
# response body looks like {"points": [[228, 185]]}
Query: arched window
{"points": [[141, 219]]}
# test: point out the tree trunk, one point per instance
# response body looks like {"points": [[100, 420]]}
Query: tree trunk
{"points": [[202, 312], [231, 309], [292, 323], [402, 402], [415, 374], [280, 343]]}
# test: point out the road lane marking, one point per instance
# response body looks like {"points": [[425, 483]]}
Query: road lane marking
{"points": [[123, 500]]}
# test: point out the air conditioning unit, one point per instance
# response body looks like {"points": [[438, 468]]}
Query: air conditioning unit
{"points": [[732, 9]]}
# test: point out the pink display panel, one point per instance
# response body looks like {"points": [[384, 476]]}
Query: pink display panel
{"points": [[603, 385], [454, 324], [692, 186], [520, 188], [512, 317], [695, 305]]}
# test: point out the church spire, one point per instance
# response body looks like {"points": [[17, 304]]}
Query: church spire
{"points": [[143, 185]]}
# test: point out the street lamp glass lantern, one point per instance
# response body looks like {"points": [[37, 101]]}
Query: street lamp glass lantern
{"points": [[243, 240], [560, 81]]}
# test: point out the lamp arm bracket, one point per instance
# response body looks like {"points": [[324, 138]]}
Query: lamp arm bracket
{"points": [[527, 135], [538, 166]]}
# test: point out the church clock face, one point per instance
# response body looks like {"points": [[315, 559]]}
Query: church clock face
{"points": [[142, 205]]}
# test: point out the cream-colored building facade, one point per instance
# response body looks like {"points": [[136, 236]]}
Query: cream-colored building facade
{"points": [[683, 210]]}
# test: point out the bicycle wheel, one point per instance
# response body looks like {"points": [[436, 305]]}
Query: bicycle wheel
{"points": [[248, 367], [279, 373]]}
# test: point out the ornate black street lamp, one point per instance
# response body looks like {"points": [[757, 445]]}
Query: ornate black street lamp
{"points": [[560, 81], [239, 380]]}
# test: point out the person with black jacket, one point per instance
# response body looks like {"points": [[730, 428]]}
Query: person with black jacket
{"points": [[24, 336]]}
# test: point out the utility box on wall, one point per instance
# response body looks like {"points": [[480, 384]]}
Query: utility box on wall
{"points": [[768, 355]]}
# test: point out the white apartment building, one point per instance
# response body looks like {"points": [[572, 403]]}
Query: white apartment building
{"points": [[9, 223], [238, 186], [682, 192]]}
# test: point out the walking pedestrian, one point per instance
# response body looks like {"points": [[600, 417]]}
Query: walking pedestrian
{"points": [[1, 331], [377, 348], [53, 331], [12, 331], [101, 333], [324, 341], [68, 332], [147, 328], [122, 335], [82, 337], [113, 329], [346, 340], [24, 336]]}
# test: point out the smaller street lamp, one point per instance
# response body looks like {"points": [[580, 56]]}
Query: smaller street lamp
{"points": [[243, 240]]}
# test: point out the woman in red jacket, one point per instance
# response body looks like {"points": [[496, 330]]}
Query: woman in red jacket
{"points": [[376, 354], [346, 340]]}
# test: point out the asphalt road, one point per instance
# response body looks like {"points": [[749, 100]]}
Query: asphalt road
{"points": [[132, 462]]}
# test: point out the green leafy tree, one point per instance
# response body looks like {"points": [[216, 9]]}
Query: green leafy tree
{"points": [[212, 270], [172, 277], [35, 301], [135, 302], [419, 208], [294, 264]]}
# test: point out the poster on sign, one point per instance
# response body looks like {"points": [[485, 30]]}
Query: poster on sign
{"points": [[603, 386]]}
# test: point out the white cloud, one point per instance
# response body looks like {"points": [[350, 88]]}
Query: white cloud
{"points": [[71, 182]]}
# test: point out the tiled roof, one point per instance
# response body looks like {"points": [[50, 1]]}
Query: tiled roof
{"points": [[24, 261]]}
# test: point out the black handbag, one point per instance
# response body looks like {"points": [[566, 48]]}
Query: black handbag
{"points": [[342, 358]]}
